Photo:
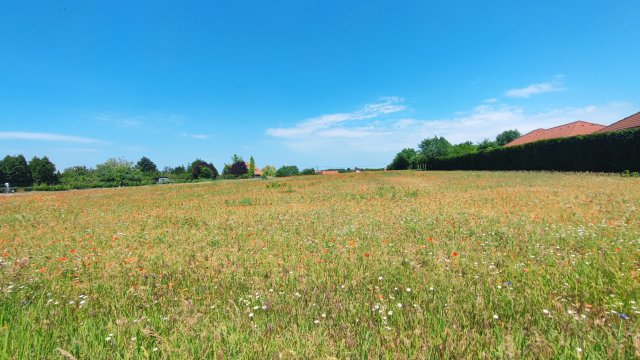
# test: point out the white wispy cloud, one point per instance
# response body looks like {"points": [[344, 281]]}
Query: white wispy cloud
{"points": [[325, 125], [120, 121], [79, 150], [336, 135], [148, 121], [35, 136], [196, 136], [535, 89]]}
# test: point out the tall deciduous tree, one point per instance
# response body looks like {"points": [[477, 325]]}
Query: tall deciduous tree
{"points": [[507, 136], [43, 171], [16, 171], [238, 168], [236, 158], [252, 166], [196, 169], [434, 147], [403, 159], [146, 165], [117, 172]]}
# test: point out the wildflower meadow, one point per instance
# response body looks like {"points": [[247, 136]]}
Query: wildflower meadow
{"points": [[361, 265]]}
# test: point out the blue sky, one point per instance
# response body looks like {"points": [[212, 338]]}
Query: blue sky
{"points": [[312, 83]]}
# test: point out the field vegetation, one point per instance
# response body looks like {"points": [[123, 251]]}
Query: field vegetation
{"points": [[385, 264]]}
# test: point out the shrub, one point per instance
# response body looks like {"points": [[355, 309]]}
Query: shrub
{"points": [[268, 171], [290, 170]]}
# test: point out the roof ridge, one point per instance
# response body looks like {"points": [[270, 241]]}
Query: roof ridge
{"points": [[574, 123], [628, 117], [532, 131]]}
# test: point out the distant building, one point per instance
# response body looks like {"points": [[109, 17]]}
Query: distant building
{"points": [[257, 172], [329, 172], [163, 180], [630, 122], [572, 129]]}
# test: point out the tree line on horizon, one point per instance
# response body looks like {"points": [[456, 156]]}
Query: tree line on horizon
{"points": [[439, 147], [41, 174]]}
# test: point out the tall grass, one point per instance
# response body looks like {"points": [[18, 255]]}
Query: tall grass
{"points": [[370, 265]]}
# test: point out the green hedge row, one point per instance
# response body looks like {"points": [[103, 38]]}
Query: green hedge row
{"points": [[603, 152]]}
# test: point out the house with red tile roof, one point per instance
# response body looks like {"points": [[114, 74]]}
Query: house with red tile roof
{"points": [[257, 172], [571, 129], [630, 122]]}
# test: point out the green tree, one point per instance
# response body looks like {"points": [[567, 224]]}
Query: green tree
{"points": [[434, 148], [238, 168], [118, 172], [16, 171], [290, 170], [178, 170], [309, 171], [252, 166], [268, 171], [463, 148], [507, 136], [196, 169], [403, 160], [146, 165], [79, 177], [43, 171], [487, 144], [205, 173]]}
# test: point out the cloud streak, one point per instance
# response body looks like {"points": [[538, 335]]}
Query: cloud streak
{"points": [[197, 136], [132, 122], [325, 125], [34, 136], [534, 89]]}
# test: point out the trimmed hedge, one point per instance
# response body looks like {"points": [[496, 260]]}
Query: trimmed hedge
{"points": [[603, 152]]}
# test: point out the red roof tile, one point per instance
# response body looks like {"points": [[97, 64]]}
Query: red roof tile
{"points": [[629, 122], [566, 130]]}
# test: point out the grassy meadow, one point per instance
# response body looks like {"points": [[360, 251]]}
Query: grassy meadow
{"points": [[370, 265]]}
